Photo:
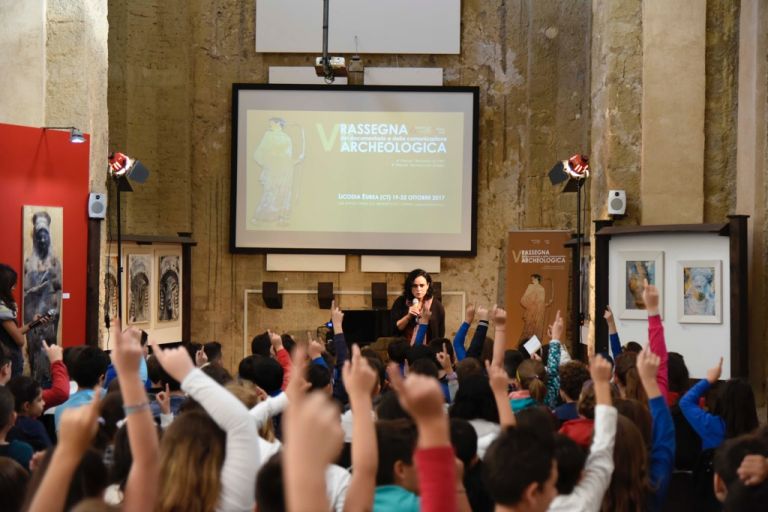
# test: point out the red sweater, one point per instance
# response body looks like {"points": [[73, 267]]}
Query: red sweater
{"points": [[580, 430], [284, 358], [659, 347], [58, 393], [436, 469]]}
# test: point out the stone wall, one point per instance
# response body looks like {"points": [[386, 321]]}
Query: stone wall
{"points": [[530, 60]]}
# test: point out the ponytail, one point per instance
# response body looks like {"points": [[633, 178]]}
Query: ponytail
{"points": [[533, 377], [626, 373]]}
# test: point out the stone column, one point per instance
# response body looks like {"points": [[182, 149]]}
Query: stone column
{"points": [[752, 166], [674, 41]]}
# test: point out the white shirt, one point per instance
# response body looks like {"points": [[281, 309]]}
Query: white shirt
{"points": [[487, 432], [588, 494]]}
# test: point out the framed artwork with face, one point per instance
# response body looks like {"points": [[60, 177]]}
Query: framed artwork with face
{"points": [[636, 268], [700, 292]]}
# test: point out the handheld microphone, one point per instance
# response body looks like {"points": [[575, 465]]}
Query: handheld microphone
{"points": [[48, 314]]}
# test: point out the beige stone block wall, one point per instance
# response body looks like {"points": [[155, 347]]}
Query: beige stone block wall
{"points": [[673, 111], [22, 62], [526, 57]]}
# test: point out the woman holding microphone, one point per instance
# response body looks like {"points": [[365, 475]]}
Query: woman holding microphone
{"points": [[416, 298]]}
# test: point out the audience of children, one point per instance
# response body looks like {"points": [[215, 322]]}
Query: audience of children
{"points": [[449, 426]]}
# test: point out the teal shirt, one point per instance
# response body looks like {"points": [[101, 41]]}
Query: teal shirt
{"points": [[518, 404], [393, 498], [19, 451], [82, 397]]}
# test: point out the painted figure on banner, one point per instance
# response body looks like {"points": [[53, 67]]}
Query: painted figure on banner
{"points": [[42, 294], [168, 289], [535, 304], [274, 155], [110, 287]]}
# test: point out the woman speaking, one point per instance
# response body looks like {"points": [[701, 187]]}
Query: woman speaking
{"points": [[417, 297]]}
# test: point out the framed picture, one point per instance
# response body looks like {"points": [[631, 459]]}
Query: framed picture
{"points": [[139, 288], [169, 288], [636, 267], [700, 292]]}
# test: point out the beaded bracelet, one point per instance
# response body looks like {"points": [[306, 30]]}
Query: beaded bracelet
{"points": [[130, 409]]}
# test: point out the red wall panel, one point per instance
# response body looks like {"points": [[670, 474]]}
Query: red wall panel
{"points": [[41, 167]]}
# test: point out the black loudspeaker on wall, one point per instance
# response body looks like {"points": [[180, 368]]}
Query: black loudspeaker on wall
{"points": [[97, 205], [272, 299], [324, 295], [379, 296]]}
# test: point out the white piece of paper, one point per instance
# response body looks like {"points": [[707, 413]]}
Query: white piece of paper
{"points": [[532, 345]]}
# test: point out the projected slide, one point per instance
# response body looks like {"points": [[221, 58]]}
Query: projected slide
{"points": [[377, 171], [354, 171]]}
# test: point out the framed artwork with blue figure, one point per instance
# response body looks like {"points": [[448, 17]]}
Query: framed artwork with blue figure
{"points": [[700, 292]]}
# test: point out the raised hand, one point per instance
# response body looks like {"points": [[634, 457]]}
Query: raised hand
{"points": [[200, 358], [275, 340], [608, 315], [753, 469], [600, 370], [650, 298], [163, 399], [648, 367], [444, 358], [175, 361], [54, 352], [469, 313], [358, 376], [127, 352], [713, 374], [337, 318], [481, 313], [499, 317], [419, 395], [557, 327]]}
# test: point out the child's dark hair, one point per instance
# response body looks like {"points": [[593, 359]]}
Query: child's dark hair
{"points": [[7, 407], [318, 377], [8, 279], [165, 378], [13, 484], [587, 400], [736, 406], [218, 373], [573, 375], [260, 344], [397, 350], [639, 414], [512, 360], [121, 458], [270, 493], [288, 343], [533, 377], [626, 374], [88, 366], [468, 367], [396, 440], [537, 417], [154, 370], [731, 453], [89, 479], [265, 372], [474, 400], [464, 440], [513, 449], [633, 347], [424, 366], [24, 389], [678, 373], [570, 462], [375, 362], [213, 351], [417, 352], [389, 408]]}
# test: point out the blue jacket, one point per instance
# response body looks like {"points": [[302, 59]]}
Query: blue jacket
{"points": [[662, 452], [710, 427]]}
